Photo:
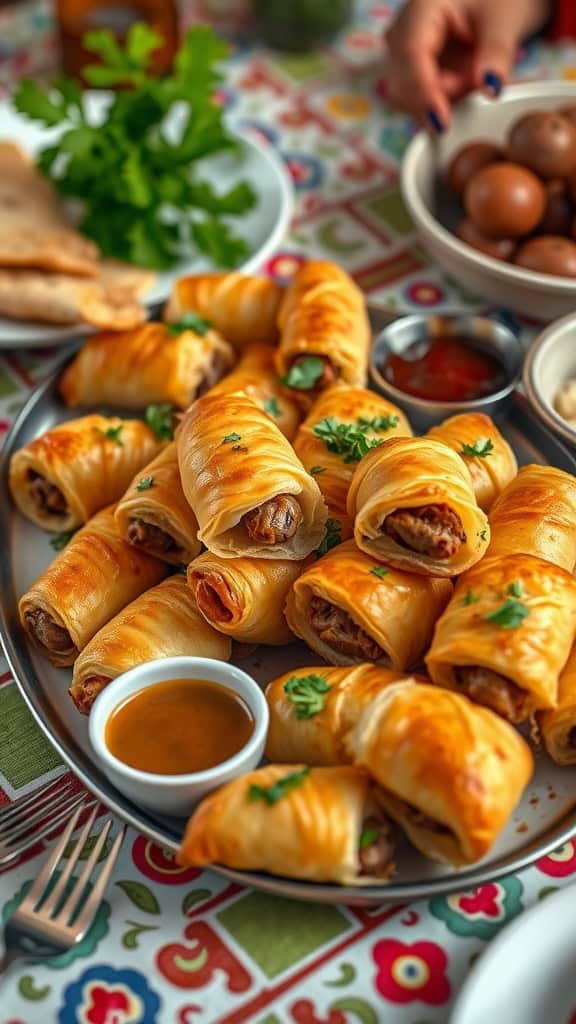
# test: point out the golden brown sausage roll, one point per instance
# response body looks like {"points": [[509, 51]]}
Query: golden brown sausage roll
{"points": [[91, 580], [325, 333], [242, 306], [63, 477], [320, 824], [415, 509], [350, 609], [162, 623], [451, 772], [486, 454], [244, 597], [506, 635], [342, 425], [536, 515], [149, 364], [255, 375], [558, 727], [154, 515], [250, 493], [313, 709]]}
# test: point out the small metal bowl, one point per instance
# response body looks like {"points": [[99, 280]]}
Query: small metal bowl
{"points": [[490, 335], [551, 363]]}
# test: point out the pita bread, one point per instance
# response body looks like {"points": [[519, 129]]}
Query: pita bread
{"points": [[35, 230], [109, 301]]}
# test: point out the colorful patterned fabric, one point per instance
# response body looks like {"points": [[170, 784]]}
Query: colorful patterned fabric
{"points": [[182, 946]]}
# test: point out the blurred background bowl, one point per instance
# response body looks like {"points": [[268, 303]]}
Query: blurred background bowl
{"points": [[487, 334], [551, 363], [435, 212]]}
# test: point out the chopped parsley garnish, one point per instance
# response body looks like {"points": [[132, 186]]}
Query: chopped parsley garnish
{"points": [[379, 571], [480, 449], [229, 438], [482, 534], [345, 439], [145, 483], [272, 794], [113, 434], [470, 598], [307, 694], [367, 837], [304, 375], [60, 540], [332, 537], [315, 470], [160, 420], [189, 321], [270, 405], [516, 589], [380, 424], [510, 614]]}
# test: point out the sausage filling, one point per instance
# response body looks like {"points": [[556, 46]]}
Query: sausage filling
{"points": [[375, 857], [217, 365], [330, 373], [47, 496], [494, 691], [335, 628], [417, 818], [48, 633], [274, 521], [432, 530], [211, 604], [151, 538], [85, 694]]}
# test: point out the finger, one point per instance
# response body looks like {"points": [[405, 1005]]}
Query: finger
{"points": [[415, 43], [496, 46]]}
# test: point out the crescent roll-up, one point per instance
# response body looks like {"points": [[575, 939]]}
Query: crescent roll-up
{"points": [[313, 709], [536, 515], [92, 579], [154, 515], [242, 306], [342, 425], [487, 455], [244, 597], [149, 364], [558, 727], [415, 508], [349, 609], [319, 824], [325, 332], [255, 375], [506, 635], [451, 772], [250, 493], [162, 623], [63, 477]]}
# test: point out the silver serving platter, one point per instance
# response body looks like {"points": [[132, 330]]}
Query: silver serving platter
{"points": [[545, 819]]}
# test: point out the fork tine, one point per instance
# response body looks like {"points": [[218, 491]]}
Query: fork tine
{"points": [[45, 875], [39, 834], [74, 899], [52, 901], [86, 915], [36, 798], [21, 827]]}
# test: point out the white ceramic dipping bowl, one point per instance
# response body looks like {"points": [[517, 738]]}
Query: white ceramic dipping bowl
{"points": [[434, 212], [550, 363], [177, 794]]}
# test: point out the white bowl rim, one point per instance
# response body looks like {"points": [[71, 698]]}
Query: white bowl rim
{"points": [[541, 406], [509, 271], [98, 718]]}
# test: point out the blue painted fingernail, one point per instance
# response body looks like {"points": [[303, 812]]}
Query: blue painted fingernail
{"points": [[435, 121], [493, 83]]}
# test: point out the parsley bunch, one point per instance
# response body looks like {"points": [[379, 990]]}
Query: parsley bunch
{"points": [[347, 439], [136, 173]]}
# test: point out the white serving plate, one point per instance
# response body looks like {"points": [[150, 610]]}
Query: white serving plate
{"points": [[527, 974], [546, 817], [263, 227]]}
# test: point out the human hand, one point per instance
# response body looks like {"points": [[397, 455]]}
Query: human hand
{"points": [[439, 50]]}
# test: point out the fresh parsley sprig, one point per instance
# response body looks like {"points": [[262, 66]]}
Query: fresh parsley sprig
{"points": [[307, 694], [509, 615], [272, 794], [60, 540], [481, 448], [113, 434], [380, 571], [379, 424], [160, 419], [145, 483], [304, 375], [189, 321], [345, 439], [368, 836], [332, 537], [271, 406]]}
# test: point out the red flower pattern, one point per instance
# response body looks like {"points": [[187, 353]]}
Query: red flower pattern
{"points": [[407, 973], [106, 1005], [160, 866], [561, 863]]}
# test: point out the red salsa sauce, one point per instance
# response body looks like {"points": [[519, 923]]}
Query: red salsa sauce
{"points": [[445, 369]]}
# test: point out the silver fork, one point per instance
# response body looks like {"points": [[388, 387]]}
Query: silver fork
{"points": [[54, 917], [25, 822]]}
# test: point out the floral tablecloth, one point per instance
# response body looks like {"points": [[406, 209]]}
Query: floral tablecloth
{"points": [[177, 946]]}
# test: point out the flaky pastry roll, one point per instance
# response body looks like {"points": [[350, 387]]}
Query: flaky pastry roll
{"points": [[487, 455], [558, 727], [256, 376], [244, 307], [536, 515]]}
